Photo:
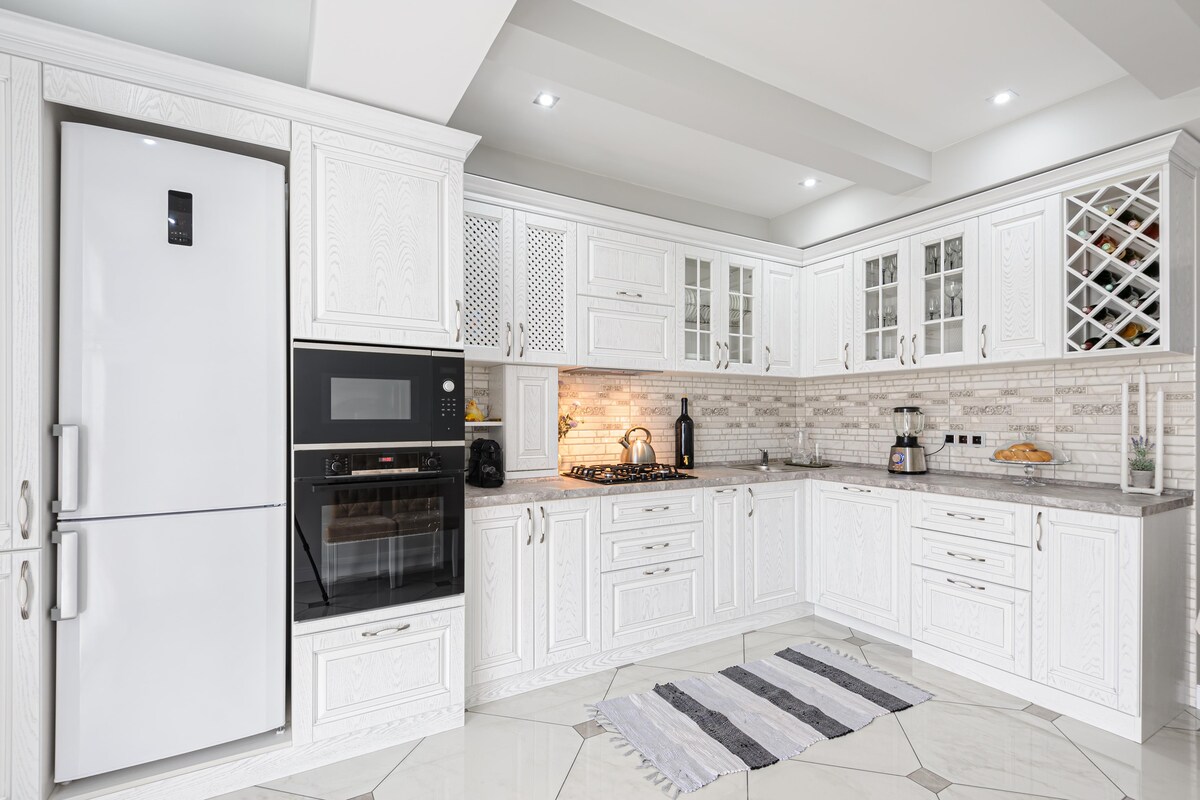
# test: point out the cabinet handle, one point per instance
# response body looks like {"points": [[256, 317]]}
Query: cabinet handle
{"points": [[656, 509], [717, 347], [66, 604], [386, 631], [846, 356], [658, 546], [1038, 523], [751, 493], [543, 539], [727, 355], [68, 468], [983, 341], [521, 326], [529, 539], [624, 293], [966, 584], [655, 571], [458, 317], [25, 592], [724, 491], [768, 349], [965, 557], [24, 506], [509, 337], [914, 347], [956, 515], [856, 489], [902, 339]]}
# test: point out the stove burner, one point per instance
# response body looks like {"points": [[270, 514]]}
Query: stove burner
{"points": [[626, 473]]}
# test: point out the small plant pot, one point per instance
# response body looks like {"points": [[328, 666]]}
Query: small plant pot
{"points": [[1141, 478]]}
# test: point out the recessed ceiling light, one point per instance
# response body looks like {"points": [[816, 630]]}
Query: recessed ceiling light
{"points": [[545, 100], [809, 183], [1001, 98], [149, 141]]}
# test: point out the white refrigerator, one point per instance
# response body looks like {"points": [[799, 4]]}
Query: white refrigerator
{"points": [[172, 522]]}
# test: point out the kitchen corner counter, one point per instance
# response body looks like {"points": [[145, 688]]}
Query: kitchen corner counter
{"points": [[1099, 499]]}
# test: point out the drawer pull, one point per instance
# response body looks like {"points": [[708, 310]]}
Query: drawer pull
{"points": [[658, 546], [25, 505], [655, 571], [856, 489], [965, 557], [386, 631], [656, 509], [966, 584], [624, 293], [543, 539], [724, 491], [965, 516]]}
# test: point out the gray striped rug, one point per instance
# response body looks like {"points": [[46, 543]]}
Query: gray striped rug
{"points": [[752, 715]]}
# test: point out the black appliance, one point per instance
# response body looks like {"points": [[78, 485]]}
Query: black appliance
{"points": [[626, 473], [376, 527], [350, 395]]}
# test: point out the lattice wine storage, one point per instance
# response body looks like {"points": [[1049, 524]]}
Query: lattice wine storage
{"points": [[1114, 281], [482, 265], [546, 289]]}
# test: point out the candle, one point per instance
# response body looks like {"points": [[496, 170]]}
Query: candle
{"points": [[1158, 445], [1142, 431], [1124, 434]]}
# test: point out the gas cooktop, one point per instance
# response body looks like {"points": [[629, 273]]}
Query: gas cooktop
{"points": [[627, 473]]}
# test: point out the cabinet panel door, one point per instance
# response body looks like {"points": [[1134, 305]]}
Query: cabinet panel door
{"points": [[781, 334], [944, 294], [387, 245], [499, 601], [861, 554], [21, 615], [881, 303], [700, 326], [1087, 605], [974, 618], [545, 293], [529, 405], [828, 317], [567, 581], [647, 602], [742, 313], [488, 330], [773, 546], [626, 266], [617, 334], [1021, 291], [725, 554]]}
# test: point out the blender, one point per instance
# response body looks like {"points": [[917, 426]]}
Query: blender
{"points": [[908, 456]]}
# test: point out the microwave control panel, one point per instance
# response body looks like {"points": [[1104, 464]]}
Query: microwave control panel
{"points": [[449, 408]]}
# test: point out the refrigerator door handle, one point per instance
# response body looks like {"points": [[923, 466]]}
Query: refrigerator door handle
{"points": [[68, 468], [66, 601]]}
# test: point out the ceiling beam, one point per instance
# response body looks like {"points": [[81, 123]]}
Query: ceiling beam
{"points": [[1155, 41], [593, 53]]}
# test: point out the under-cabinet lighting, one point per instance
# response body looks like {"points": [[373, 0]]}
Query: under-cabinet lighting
{"points": [[545, 100]]}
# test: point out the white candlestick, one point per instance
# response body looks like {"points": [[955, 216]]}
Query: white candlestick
{"points": [[1158, 445], [1124, 434], [1142, 431]]}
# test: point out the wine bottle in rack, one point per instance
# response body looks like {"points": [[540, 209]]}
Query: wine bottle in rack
{"points": [[1107, 243], [1140, 339], [1131, 296], [1105, 280], [1131, 331], [1131, 220], [1151, 270], [1108, 319], [1150, 311], [1090, 343], [1151, 231]]}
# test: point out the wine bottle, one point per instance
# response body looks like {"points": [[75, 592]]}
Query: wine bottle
{"points": [[1131, 220], [1151, 310], [1105, 280], [1108, 319], [1090, 343], [1140, 339], [1106, 243], [1131, 295], [1151, 231], [685, 445], [1151, 271], [1132, 331]]}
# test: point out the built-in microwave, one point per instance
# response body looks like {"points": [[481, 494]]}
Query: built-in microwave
{"points": [[360, 395]]}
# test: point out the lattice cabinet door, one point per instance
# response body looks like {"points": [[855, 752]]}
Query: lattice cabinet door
{"points": [[545, 250], [943, 316], [489, 330]]}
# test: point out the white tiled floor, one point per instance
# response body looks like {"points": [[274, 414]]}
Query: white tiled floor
{"points": [[970, 742]]}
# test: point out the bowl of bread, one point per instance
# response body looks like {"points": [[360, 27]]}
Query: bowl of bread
{"points": [[1030, 456]]}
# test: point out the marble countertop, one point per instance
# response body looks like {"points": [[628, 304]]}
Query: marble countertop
{"points": [[1099, 499]]}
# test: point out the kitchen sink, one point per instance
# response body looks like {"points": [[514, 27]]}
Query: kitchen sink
{"points": [[768, 468]]}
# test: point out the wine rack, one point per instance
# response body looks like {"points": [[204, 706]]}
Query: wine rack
{"points": [[1114, 278]]}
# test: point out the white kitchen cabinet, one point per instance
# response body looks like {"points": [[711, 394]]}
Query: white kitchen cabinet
{"points": [[881, 303], [526, 399], [828, 289], [626, 266], [566, 588], [781, 331], [861, 553], [489, 329], [774, 545], [20, 675], [1020, 293], [1087, 605], [739, 321], [376, 242], [499, 592], [984, 621], [725, 553], [625, 335], [699, 282], [646, 602], [944, 296], [721, 308], [545, 289]]}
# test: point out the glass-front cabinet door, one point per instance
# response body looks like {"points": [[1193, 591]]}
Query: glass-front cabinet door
{"points": [[698, 270], [943, 311], [741, 317], [880, 308]]}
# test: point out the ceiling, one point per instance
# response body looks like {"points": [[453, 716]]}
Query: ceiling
{"points": [[724, 107]]}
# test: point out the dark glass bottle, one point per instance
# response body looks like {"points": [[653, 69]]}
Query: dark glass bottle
{"points": [[685, 444]]}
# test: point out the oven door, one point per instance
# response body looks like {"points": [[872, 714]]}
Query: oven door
{"points": [[347, 394], [362, 544]]}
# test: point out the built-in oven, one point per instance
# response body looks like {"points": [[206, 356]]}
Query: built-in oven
{"points": [[376, 527], [359, 395]]}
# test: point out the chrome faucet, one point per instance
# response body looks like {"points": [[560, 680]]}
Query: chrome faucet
{"points": [[765, 457]]}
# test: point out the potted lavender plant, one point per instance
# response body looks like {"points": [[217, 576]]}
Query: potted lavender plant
{"points": [[1141, 463]]}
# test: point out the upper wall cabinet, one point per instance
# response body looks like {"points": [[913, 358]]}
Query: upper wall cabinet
{"points": [[488, 327], [943, 294], [625, 266], [717, 305], [1020, 290], [881, 300], [827, 288], [697, 269], [740, 322], [376, 242], [781, 330]]}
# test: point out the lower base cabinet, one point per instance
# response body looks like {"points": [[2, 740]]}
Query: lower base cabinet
{"points": [[724, 553], [643, 603], [973, 618], [774, 536], [21, 599]]}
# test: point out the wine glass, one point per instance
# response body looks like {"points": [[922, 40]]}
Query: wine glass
{"points": [[953, 291], [935, 308]]}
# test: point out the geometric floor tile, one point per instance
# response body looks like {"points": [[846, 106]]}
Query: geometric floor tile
{"points": [[1041, 713], [809, 626], [589, 729], [930, 780], [945, 686], [857, 641], [562, 703], [347, 779], [258, 793], [1185, 722], [1002, 749], [602, 771], [793, 779], [638, 679], [1164, 767], [879, 747], [957, 792]]}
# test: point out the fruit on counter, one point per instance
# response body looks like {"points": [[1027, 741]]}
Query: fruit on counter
{"points": [[473, 412]]}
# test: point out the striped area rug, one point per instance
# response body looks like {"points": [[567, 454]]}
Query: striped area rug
{"points": [[752, 715]]}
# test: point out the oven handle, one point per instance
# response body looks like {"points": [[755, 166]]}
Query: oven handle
{"points": [[382, 484]]}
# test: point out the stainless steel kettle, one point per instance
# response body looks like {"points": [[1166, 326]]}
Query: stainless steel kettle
{"points": [[638, 451]]}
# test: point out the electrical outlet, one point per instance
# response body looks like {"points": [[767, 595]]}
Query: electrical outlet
{"points": [[977, 440], [962, 438], [949, 438]]}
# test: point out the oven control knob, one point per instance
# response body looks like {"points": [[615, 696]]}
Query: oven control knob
{"points": [[431, 462], [337, 466]]}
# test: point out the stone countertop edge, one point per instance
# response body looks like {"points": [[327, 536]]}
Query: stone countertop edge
{"points": [[1097, 499]]}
